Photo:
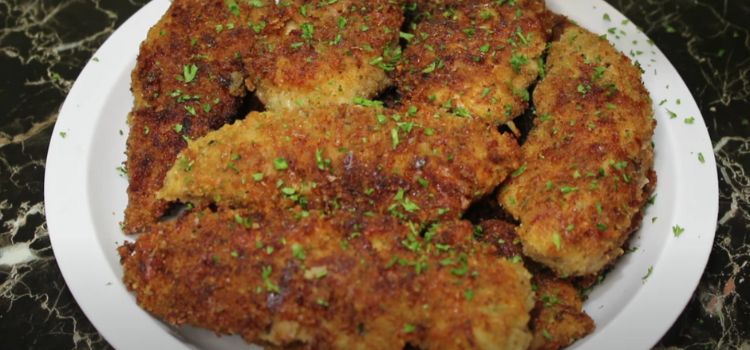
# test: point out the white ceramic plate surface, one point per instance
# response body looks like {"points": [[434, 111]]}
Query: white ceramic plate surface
{"points": [[85, 197]]}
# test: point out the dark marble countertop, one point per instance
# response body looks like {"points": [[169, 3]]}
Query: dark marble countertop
{"points": [[45, 44]]}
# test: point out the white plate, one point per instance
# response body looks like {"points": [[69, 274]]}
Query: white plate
{"points": [[85, 197]]}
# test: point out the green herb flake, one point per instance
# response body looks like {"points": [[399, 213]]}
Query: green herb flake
{"points": [[307, 31], [257, 27], [556, 240], [266, 275], [409, 328], [406, 36], [280, 164], [298, 251], [189, 72], [677, 230], [246, 222], [233, 7], [518, 60], [648, 273], [568, 189], [360, 101], [519, 171]]}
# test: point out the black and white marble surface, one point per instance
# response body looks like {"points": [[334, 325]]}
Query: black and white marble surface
{"points": [[44, 45]]}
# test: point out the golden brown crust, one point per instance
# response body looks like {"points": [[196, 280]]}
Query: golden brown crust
{"points": [[314, 284], [189, 73], [558, 318], [318, 53], [587, 161], [419, 165], [474, 58]]}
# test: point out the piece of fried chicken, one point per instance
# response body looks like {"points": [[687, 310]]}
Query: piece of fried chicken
{"points": [[187, 81], [475, 57], [318, 53], [419, 165], [330, 283], [587, 164], [189, 75], [557, 319]]}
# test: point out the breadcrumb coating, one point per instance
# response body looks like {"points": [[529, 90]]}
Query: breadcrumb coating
{"points": [[587, 164]]}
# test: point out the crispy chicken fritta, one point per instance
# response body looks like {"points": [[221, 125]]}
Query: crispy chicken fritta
{"points": [[186, 75], [474, 58], [190, 71], [587, 163], [325, 52], [419, 165], [557, 319], [324, 283]]}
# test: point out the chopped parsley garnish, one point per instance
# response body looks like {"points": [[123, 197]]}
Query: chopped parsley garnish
{"points": [[409, 328], [568, 189], [322, 163], [247, 222], [233, 7], [189, 72], [677, 230], [406, 36], [298, 252], [394, 138], [307, 31], [266, 275], [280, 164], [518, 60], [556, 240], [519, 171], [648, 273], [257, 27], [367, 103]]}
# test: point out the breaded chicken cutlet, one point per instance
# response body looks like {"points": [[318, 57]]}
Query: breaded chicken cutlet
{"points": [[587, 164], [325, 52], [187, 81], [474, 57], [557, 319], [191, 68], [315, 284], [419, 165]]}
